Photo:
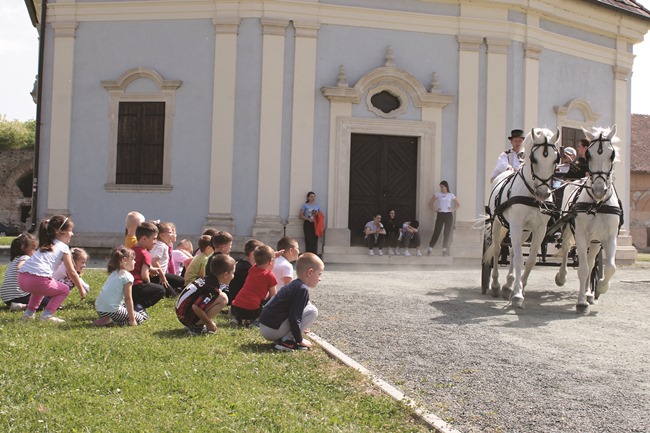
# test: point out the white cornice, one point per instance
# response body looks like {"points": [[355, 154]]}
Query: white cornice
{"points": [[581, 15]]}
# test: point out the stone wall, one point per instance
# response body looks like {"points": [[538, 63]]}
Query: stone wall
{"points": [[640, 210], [14, 164]]}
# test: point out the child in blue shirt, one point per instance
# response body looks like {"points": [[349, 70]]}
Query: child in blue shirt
{"points": [[289, 313]]}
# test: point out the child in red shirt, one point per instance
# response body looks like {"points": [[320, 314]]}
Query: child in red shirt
{"points": [[260, 284], [145, 293]]}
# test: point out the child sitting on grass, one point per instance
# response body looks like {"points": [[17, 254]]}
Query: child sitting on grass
{"points": [[115, 301], [145, 293], [260, 285], [162, 262], [282, 269], [289, 313], [79, 260], [196, 268], [182, 255], [200, 302], [221, 244], [21, 249], [242, 268]]}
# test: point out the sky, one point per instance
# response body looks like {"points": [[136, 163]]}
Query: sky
{"points": [[19, 64]]}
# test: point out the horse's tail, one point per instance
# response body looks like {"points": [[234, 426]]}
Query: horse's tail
{"points": [[489, 253], [489, 248]]}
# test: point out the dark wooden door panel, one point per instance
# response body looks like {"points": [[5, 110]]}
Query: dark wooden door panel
{"points": [[383, 176]]}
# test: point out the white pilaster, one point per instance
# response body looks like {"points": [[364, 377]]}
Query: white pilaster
{"points": [[61, 120], [223, 124], [468, 91], [302, 134], [625, 251], [531, 86], [267, 221], [495, 116]]}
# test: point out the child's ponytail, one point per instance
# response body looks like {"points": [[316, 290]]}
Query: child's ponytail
{"points": [[48, 228], [117, 257]]}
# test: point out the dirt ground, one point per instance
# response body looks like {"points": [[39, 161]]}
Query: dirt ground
{"points": [[485, 367]]}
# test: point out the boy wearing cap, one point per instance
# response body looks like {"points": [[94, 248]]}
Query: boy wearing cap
{"points": [[511, 158]]}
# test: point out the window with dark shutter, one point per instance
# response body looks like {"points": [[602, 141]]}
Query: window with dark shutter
{"points": [[140, 143], [571, 137]]}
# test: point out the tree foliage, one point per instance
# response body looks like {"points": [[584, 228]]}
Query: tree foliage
{"points": [[15, 134]]}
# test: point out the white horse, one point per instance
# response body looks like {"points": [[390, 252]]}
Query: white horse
{"points": [[597, 212], [516, 201]]}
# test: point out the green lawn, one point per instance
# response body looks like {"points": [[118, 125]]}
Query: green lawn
{"points": [[6, 240], [155, 378]]}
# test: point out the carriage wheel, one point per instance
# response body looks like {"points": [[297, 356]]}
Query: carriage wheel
{"points": [[486, 268], [596, 273]]}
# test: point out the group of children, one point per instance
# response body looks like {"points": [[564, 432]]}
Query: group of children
{"points": [[260, 288]]}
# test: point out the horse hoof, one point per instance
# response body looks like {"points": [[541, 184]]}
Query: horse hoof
{"points": [[590, 299], [495, 291], [506, 293], [559, 281], [601, 288], [518, 302], [582, 308]]}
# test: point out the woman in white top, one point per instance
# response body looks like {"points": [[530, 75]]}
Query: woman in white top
{"points": [[443, 203]]}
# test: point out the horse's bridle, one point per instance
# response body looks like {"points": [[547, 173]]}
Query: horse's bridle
{"points": [[604, 175], [533, 161]]}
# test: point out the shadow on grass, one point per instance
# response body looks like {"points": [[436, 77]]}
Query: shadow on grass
{"points": [[174, 333], [252, 347]]}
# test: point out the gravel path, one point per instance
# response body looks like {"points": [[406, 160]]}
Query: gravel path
{"points": [[485, 367]]}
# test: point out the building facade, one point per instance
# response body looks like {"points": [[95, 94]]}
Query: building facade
{"points": [[226, 113]]}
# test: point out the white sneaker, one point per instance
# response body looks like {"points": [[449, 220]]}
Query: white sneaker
{"points": [[429, 251], [17, 306], [419, 253], [391, 252], [381, 252], [397, 251], [371, 252], [52, 319], [28, 316], [406, 253]]}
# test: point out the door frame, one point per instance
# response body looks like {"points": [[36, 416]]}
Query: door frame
{"points": [[429, 168]]}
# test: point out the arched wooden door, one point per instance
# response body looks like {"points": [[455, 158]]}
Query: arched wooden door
{"points": [[383, 176]]}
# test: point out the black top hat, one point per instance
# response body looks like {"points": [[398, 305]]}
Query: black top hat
{"points": [[516, 133]]}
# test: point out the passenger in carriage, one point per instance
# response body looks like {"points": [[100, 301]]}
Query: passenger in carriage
{"points": [[512, 158], [579, 168]]}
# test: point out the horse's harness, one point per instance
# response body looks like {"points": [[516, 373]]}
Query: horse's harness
{"points": [[544, 206], [597, 206]]}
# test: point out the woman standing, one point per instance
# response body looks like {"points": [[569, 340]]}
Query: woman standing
{"points": [[443, 203], [308, 211]]}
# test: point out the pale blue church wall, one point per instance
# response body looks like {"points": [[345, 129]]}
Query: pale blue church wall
{"points": [[46, 115], [247, 125], [563, 77], [361, 50], [104, 51]]}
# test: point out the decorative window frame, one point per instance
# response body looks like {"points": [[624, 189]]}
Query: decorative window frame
{"points": [[117, 92], [590, 116], [394, 90]]}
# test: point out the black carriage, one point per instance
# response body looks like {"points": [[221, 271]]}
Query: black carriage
{"points": [[553, 238]]}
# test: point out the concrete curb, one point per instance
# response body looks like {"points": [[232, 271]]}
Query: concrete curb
{"points": [[425, 416]]}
